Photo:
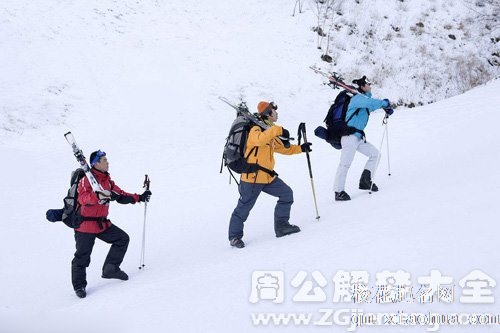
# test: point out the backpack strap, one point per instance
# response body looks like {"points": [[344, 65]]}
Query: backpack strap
{"points": [[355, 113], [98, 219], [255, 167], [232, 175], [352, 130]]}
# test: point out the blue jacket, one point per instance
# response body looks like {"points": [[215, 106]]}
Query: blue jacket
{"points": [[366, 104]]}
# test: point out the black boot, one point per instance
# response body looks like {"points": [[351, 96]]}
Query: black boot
{"points": [[284, 228], [237, 242], [342, 196], [111, 271], [80, 292], [365, 182]]}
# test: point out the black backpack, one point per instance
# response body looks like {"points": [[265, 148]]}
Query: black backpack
{"points": [[70, 214], [336, 124]]}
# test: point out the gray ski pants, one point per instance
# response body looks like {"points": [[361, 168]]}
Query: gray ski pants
{"points": [[249, 193], [351, 144]]}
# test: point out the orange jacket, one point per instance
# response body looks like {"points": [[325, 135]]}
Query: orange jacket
{"points": [[265, 144]]}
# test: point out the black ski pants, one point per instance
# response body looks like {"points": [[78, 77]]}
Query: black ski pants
{"points": [[84, 245]]}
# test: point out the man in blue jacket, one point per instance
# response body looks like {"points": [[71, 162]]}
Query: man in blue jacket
{"points": [[358, 112]]}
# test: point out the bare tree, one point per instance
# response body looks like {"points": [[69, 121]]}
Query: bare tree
{"points": [[324, 10], [488, 11], [297, 2]]}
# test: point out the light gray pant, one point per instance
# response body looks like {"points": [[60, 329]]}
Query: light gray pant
{"points": [[351, 144]]}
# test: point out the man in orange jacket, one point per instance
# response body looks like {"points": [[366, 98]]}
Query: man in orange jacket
{"points": [[95, 224], [261, 145]]}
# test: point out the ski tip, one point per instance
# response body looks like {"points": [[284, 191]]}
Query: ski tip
{"points": [[66, 134]]}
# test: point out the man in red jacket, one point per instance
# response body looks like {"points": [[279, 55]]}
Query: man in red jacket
{"points": [[95, 224]]}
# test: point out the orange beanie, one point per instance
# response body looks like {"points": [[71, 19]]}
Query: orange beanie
{"points": [[262, 106]]}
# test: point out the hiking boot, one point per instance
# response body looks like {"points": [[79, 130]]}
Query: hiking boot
{"points": [[283, 229], [365, 182], [80, 292], [111, 271], [342, 196], [237, 242]]}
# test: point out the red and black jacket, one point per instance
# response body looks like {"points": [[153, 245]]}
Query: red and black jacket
{"points": [[97, 213]]}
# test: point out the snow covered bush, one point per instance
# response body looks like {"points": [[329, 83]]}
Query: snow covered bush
{"points": [[417, 51]]}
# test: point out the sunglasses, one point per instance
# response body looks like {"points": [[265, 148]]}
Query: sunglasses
{"points": [[270, 108], [97, 157]]}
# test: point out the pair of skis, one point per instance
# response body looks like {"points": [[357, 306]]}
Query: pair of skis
{"points": [[336, 81], [242, 109], [96, 187]]}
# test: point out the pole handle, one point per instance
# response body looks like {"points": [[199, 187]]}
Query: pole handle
{"points": [[147, 182]]}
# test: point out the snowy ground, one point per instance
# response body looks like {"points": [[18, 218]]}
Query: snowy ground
{"points": [[141, 82]]}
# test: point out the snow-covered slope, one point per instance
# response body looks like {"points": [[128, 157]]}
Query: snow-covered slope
{"points": [[141, 82]]}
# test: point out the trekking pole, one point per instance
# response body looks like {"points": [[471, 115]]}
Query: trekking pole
{"points": [[143, 248], [302, 132], [384, 122], [388, 159]]}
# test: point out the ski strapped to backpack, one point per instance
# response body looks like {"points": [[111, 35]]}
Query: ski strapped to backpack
{"points": [[335, 120], [336, 81], [70, 213], [96, 187], [233, 156]]}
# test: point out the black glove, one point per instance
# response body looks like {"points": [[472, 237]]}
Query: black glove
{"points": [[114, 196], [145, 196], [285, 134], [306, 147], [388, 111]]}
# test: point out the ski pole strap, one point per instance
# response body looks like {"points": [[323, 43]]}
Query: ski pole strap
{"points": [[303, 131], [386, 118], [299, 134]]}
